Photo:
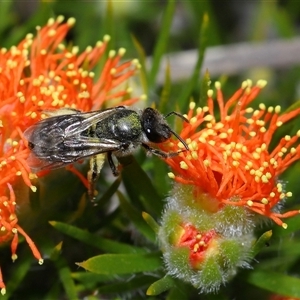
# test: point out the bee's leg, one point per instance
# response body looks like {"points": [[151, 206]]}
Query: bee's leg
{"points": [[161, 153], [112, 164], [96, 163]]}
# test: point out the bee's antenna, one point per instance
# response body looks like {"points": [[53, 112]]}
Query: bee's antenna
{"points": [[178, 115], [173, 132], [180, 139]]}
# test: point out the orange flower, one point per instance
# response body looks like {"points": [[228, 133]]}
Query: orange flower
{"points": [[230, 158], [42, 73], [198, 243]]}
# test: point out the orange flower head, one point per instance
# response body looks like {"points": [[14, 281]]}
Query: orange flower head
{"points": [[230, 158], [43, 73]]}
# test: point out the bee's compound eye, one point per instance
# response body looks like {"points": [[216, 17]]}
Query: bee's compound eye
{"points": [[30, 145], [154, 126]]}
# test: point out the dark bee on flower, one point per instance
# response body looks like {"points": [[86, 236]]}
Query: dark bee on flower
{"points": [[69, 135]]}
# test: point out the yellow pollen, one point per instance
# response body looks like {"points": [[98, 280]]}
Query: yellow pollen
{"points": [[249, 110], [183, 165], [257, 179], [111, 53], [256, 113], [279, 123], [18, 173], [99, 44], [261, 83], [280, 154], [277, 109], [289, 194], [256, 155], [210, 93], [244, 84], [268, 175], [270, 109], [180, 145], [212, 142], [199, 110], [14, 230], [223, 135], [252, 133], [230, 130], [206, 163], [50, 22], [262, 106], [250, 121], [106, 38], [235, 163], [194, 155], [205, 109], [219, 126], [192, 105], [208, 118], [218, 85], [33, 115], [14, 257], [282, 196], [193, 120], [287, 138], [264, 179], [32, 176], [236, 155], [51, 32], [264, 201], [71, 22], [202, 140], [284, 226], [262, 129], [33, 188], [41, 261], [272, 194], [171, 175], [60, 19], [249, 203]]}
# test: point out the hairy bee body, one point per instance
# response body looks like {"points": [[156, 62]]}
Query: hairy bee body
{"points": [[69, 135]]}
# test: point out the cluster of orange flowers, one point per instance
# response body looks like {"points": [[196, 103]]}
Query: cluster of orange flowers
{"points": [[42, 73], [230, 158]]}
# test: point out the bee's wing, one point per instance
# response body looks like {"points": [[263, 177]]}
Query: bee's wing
{"points": [[89, 119]]}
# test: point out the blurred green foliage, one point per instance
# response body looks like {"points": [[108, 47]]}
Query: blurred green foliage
{"points": [[115, 227]]}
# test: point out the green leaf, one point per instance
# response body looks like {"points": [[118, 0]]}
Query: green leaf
{"points": [[142, 59], [161, 286], [94, 240], [192, 82], [122, 263], [139, 187], [162, 41], [151, 222], [136, 217], [275, 282], [166, 91], [261, 242], [65, 277], [127, 286], [19, 272]]}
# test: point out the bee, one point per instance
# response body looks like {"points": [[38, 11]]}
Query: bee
{"points": [[69, 135]]}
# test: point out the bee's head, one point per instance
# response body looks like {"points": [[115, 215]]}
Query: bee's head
{"points": [[157, 129], [154, 126]]}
